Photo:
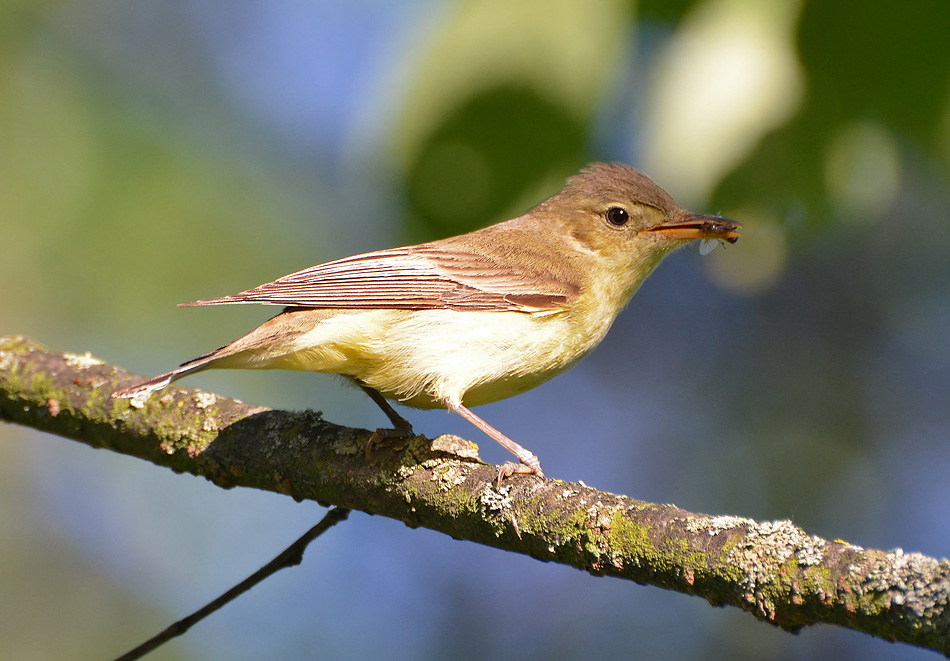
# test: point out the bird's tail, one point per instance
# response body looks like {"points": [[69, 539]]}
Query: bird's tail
{"points": [[255, 350], [145, 389]]}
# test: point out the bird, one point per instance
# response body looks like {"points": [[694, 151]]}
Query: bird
{"points": [[471, 319]]}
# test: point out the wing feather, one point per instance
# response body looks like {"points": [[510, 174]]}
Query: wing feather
{"points": [[428, 276]]}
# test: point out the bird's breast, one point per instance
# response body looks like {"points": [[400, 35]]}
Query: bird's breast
{"points": [[478, 358]]}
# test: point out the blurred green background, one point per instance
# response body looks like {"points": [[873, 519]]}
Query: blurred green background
{"points": [[153, 153]]}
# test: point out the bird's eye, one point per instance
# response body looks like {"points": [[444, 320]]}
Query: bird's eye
{"points": [[617, 216]]}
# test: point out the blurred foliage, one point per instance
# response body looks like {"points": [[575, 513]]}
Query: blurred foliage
{"points": [[801, 373], [498, 109], [479, 161], [888, 66]]}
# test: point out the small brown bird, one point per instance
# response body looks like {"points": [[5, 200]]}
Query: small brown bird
{"points": [[475, 318]]}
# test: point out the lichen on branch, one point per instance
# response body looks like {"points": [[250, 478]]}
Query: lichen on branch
{"points": [[773, 570]]}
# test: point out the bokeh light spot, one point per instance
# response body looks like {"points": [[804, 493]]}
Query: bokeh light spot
{"points": [[757, 261], [863, 171]]}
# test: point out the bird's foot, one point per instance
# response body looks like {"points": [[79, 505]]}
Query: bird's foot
{"points": [[387, 436], [510, 468]]}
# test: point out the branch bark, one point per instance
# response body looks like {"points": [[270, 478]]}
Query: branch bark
{"points": [[773, 570]]}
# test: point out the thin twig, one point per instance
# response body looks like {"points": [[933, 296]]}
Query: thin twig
{"points": [[289, 557]]}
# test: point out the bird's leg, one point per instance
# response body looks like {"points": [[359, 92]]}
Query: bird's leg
{"points": [[530, 465], [399, 423], [401, 427]]}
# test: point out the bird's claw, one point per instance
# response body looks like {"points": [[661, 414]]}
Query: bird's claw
{"points": [[510, 468], [385, 435]]}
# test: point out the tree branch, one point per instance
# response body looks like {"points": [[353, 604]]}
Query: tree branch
{"points": [[773, 570]]}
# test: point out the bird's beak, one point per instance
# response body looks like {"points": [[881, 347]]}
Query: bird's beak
{"points": [[694, 226]]}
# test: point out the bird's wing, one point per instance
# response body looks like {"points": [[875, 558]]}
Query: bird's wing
{"points": [[427, 276]]}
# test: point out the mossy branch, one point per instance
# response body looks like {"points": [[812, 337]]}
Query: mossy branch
{"points": [[774, 570]]}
